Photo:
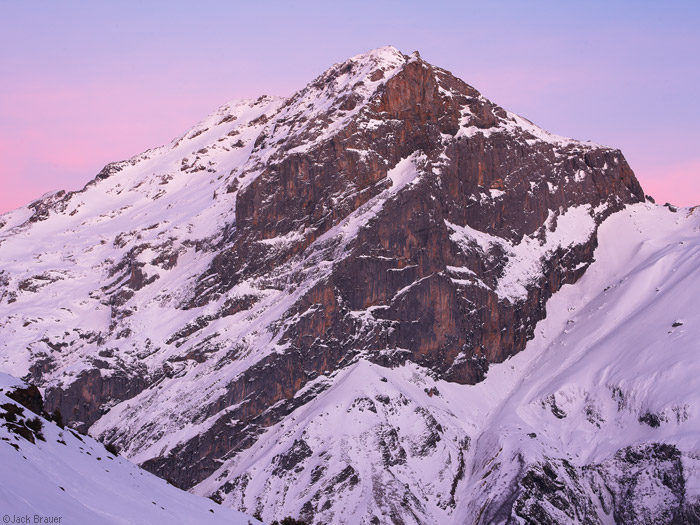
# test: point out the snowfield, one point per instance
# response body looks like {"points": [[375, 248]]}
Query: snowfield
{"points": [[615, 364]]}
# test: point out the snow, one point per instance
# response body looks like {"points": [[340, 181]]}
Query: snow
{"points": [[350, 78], [622, 337], [545, 136], [524, 259], [117, 219], [495, 194], [608, 335], [348, 425], [80, 482], [515, 125], [404, 174]]}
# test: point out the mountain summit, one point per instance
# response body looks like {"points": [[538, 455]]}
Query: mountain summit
{"points": [[384, 230]]}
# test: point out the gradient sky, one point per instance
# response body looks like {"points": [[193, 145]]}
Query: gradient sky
{"points": [[86, 83]]}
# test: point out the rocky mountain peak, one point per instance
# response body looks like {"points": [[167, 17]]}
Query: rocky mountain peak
{"points": [[192, 296], [329, 102]]}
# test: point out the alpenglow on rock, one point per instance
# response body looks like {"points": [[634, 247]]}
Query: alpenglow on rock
{"points": [[197, 296]]}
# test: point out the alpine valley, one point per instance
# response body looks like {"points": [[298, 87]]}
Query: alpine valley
{"points": [[384, 299]]}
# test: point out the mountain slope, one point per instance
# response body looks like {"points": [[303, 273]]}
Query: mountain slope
{"points": [[62, 476], [606, 401], [595, 422]]}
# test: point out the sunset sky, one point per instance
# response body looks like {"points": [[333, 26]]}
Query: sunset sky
{"points": [[86, 83]]}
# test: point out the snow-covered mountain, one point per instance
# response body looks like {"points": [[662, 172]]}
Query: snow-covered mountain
{"points": [[299, 307], [59, 476]]}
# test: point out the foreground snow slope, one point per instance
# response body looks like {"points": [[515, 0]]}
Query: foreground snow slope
{"points": [[73, 477]]}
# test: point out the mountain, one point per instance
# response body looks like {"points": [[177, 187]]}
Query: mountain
{"points": [[299, 307], [57, 475]]}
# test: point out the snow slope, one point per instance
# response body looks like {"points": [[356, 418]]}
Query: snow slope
{"points": [[73, 477], [615, 364]]}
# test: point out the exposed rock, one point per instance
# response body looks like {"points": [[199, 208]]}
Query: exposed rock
{"points": [[452, 326], [28, 397], [82, 402], [643, 484]]}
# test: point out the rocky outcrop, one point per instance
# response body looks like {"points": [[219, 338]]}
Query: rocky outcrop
{"points": [[29, 397], [640, 484], [91, 395]]}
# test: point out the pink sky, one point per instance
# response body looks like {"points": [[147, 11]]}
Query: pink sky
{"points": [[63, 136], [675, 183], [86, 84]]}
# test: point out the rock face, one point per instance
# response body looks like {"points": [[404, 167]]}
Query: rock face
{"points": [[641, 484], [192, 297]]}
